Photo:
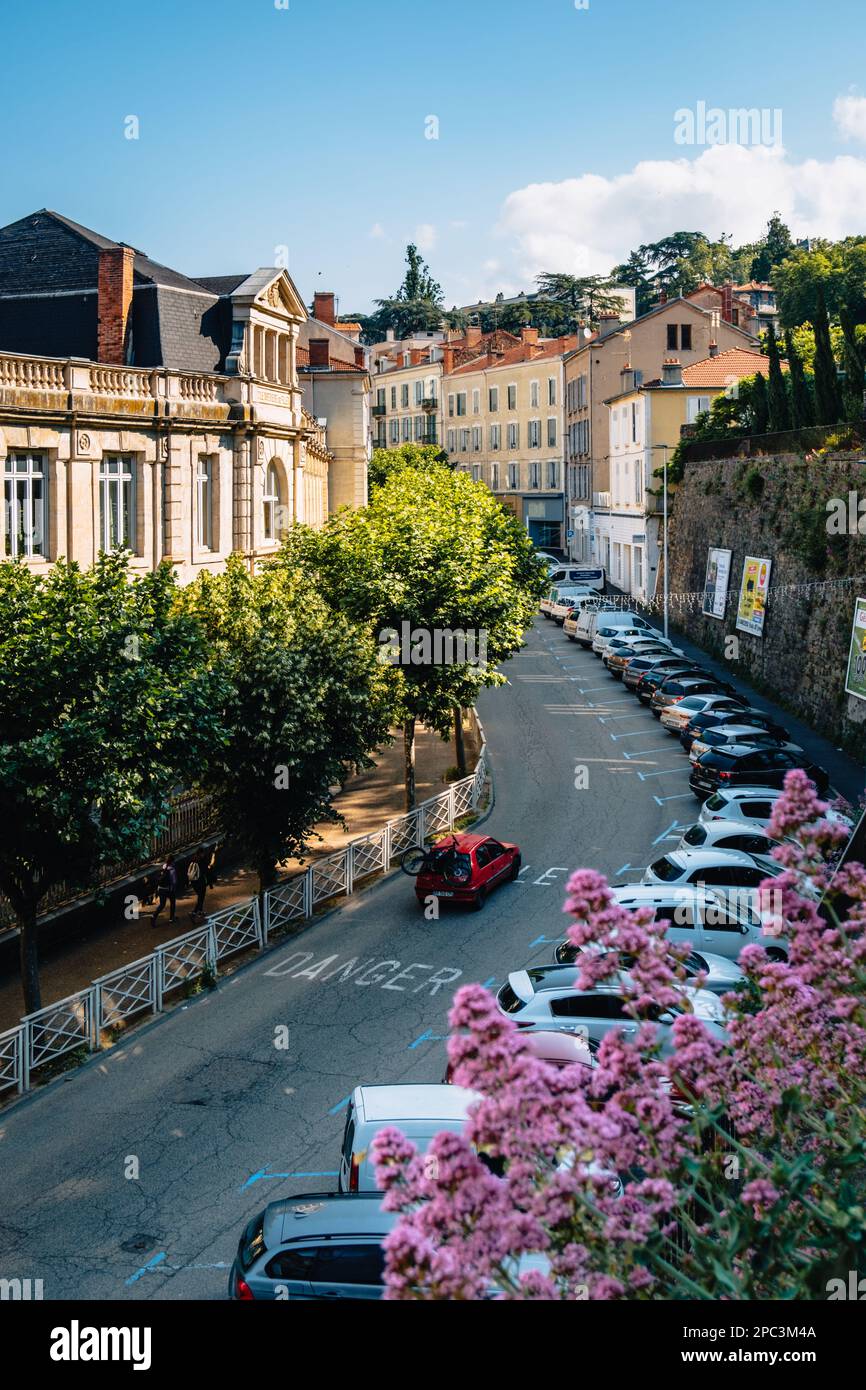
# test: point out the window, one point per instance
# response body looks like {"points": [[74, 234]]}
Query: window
{"points": [[495, 436], [638, 567], [295, 1264], [695, 405], [358, 1263], [513, 436], [271, 502], [393, 397], [404, 394], [551, 431], [380, 398], [553, 474], [452, 441], [419, 392], [419, 427], [494, 477], [513, 475], [394, 431], [476, 472], [634, 422], [476, 402], [464, 441], [534, 437], [551, 390], [204, 504], [116, 502], [673, 337], [461, 402], [512, 397], [533, 395], [686, 337], [406, 428], [493, 398], [450, 405], [535, 475], [24, 498]]}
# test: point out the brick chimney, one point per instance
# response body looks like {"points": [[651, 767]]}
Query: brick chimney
{"points": [[529, 336], [320, 352], [447, 359], [114, 302], [728, 303], [672, 372], [325, 307], [472, 336], [359, 356]]}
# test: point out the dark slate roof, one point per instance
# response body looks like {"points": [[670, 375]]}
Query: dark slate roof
{"points": [[48, 302], [221, 284]]}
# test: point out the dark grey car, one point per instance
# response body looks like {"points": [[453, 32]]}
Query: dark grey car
{"points": [[321, 1245]]}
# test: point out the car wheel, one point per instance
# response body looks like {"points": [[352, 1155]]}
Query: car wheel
{"points": [[479, 900], [570, 637], [515, 868], [774, 953]]}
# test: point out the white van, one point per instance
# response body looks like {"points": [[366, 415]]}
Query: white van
{"points": [[610, 617], [557, 595], [590, 578], [569, 599], [421, 1112]]}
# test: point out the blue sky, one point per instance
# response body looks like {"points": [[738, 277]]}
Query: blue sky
{"points": [[304, 127]]}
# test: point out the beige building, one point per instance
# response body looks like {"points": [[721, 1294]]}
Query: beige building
{"points": [[335, 389], [143, 409], [503, 421], [594, 373], [645, 423]]}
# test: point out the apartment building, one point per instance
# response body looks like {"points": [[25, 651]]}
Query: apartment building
{"points": [[335, 390], [143, 408], [645, 422], [503, 420], [594, 373]]}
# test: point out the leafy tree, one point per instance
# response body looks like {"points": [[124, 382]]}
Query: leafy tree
{"points": [[802, 402], [758, 404], [304, 703], [854, 362], [774, 248], [386, 462], [828, 401], [433, 551], [418, 283], [584, 298], [106, 706], [779, 411], [415, 308]]}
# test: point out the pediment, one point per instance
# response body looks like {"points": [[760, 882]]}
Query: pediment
{"points": [[274, 291]]}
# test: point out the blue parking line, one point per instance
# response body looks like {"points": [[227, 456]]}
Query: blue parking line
{"points": [[660, 800], [665, 772], [623, 869], [488, 983], [139, 1273], [539, 940], [635, 733], [643, 751], [328, 1173], [341, 1105], [427, 1037], [658, 839]]}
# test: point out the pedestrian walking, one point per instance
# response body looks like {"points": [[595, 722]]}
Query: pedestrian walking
{"points": [[211, 872], [197, 878], [166, 889]]}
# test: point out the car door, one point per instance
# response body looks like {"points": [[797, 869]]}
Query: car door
{"points": [[596, 1014], [289, 1272], [348, 1269], [719, 931], [483, 875], [679, 918], [499, 861], [756, 767]]}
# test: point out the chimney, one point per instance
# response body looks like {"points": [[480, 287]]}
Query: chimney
{"points": [[325, 307], [608, 322], [114, 302], [447, 359], [672, 372], [473, 337], [359, 357], [529, 336], [663, 297], [389, 335], [714, 349], [320, 352], [728, 303]]}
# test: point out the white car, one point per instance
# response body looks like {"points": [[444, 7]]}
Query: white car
{"points": [[701, 918], [581, 606], [752, 804], [722, 973], [731, 872], [568, 601], [676, 717], [616, 625], [636, 644], [546, 997], [558, 593], [728, 834], [420, 1111]]}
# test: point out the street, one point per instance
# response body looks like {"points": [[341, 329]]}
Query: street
{"points": [[133, 1177]]}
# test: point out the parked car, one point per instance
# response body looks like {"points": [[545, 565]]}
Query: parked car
{"points": [[619, 656], [702, 918], [315, 1246], [546, 996], [753, 805], [720, 715], [730, 734], [465, 868], [420, 1111], [677, 687], [560, 1049], [590, 575], [606, 616], [614, 625], [639, 666], [567, 600], [625, 637], [679, 716], [724, 870], [558, 593], [665, 671], [581, 605], [750, 766], [728, 834], [722, 974]]}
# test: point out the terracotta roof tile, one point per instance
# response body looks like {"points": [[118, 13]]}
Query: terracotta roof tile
{"points": [[718, 370]]}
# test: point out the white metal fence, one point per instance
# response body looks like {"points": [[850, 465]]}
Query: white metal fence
{"points": [[86, 1020]]}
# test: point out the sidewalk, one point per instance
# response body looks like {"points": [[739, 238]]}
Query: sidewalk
{"points": [[102, 939]]}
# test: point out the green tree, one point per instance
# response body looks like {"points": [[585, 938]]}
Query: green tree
{"points": [[802, 402], [106, 705], [386, 462], [779, 411], [584, 298], [758, 403], [775, 246], [828, 401], [854, 363], [304, 703], [415, 308], [432, 555]]}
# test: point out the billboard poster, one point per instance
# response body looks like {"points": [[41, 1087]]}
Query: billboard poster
{"points": [[855, 681], [752, 607], [716, 583]]}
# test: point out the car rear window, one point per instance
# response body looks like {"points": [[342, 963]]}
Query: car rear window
{"points": [[252, 1241], [716, 802], [456, 864], [696, 835], [509, 1001], [361, 1263], [666, 870]]}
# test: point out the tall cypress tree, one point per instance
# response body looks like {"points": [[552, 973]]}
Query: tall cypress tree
{"points": [[802, 403], [777, 391], [759, 406], [828, 400], [854, 360]]}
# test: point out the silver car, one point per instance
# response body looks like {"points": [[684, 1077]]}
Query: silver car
{"points": [[722, 974]]}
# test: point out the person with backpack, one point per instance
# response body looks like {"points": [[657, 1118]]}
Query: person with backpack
{"points": [[166, 889], [196, 875]]}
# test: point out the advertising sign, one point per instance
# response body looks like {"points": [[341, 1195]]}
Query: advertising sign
{"points": [[855, 681], [716, 584], [752, 607]]}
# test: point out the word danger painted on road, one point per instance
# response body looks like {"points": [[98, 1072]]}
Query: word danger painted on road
{"points": [[386, 973]]}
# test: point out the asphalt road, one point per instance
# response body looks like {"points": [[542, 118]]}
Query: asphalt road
{"points": [[133, 1177]]}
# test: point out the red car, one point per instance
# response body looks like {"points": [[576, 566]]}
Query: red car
{"points": [[463, 868]]}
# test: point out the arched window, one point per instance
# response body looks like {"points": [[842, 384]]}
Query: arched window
{"points": [[271, 502]]}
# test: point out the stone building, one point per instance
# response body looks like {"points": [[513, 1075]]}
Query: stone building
{"points": [[145, 408]]}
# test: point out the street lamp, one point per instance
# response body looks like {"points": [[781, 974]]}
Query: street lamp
{"points": [[654, 449]]}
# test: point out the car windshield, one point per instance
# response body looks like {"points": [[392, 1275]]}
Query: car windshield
{"points": [[666, 870]]}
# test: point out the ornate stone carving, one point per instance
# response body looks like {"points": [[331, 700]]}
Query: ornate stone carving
{"points": [[83, 442], [273, 296]]}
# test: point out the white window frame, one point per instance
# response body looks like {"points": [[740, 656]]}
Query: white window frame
{"points": [[493, 399], [117, 475], [511, 395], [204, 478], [476, 401], [31, 542], [271, 502], [534, 395]]}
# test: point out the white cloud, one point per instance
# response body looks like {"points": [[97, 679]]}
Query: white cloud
{"points": [[377, 231], [849, 113], [585, 225], [425, 236]]}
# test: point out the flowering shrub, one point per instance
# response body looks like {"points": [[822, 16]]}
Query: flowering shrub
{"points": [[741, 1161]]}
